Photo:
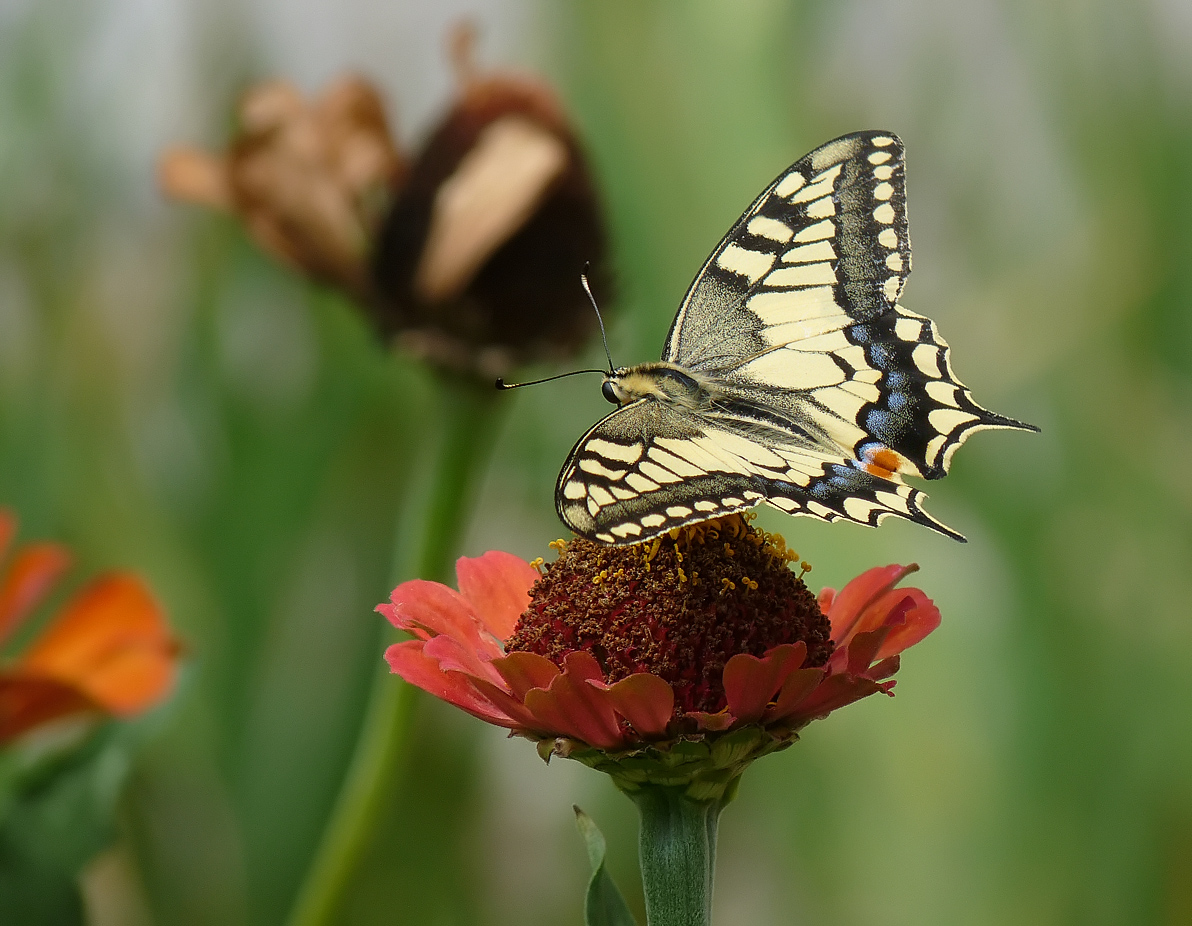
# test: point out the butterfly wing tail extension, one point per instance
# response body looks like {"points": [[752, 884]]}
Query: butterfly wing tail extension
{"points": [[848, 493], [923, 412]]}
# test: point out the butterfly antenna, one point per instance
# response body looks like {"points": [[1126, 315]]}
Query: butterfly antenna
{"points": [[501, 384], [583, 278]]}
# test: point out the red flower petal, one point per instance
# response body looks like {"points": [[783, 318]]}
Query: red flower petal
{"points": [[408, 660], [919, 620], [795, 690], [750, 683], [497, 585], [645, 700], [453, 656], [579, 710], [111, 642], [429, 608], [849, 605], [29, 578], [834, 692], [523, 671], [864, 649]]}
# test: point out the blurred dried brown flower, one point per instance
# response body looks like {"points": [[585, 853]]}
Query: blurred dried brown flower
{"points": [[469, 255], [309, 178], [477, 264]]}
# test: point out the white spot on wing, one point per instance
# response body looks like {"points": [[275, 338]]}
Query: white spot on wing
{"points": [[657, 473], [769, 228], [883, 191], [794, 369], [884, 213], [894, 262], [947, 420], [821, 208], [926, 357], [858, 509], [789, 184], [882, 141], [678, 511], [942, 391], [816, 232], [641, 483], [750, 264], [805, 253], [596, 468], [654, 520], [907, 329], [888, 238], [575, 490], [820, 274], [884, 172], [879, 157], [628, 529], [625, 453], [776, 308], [675, 464], [601, 495]]}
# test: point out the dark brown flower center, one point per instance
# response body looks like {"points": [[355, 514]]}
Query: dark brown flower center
{"points": [[679, 607]]}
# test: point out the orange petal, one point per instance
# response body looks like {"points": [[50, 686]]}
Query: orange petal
{"points": [[848, 606], [498, 586], [751, 683], [110, 642], [645, 700], [29, 578], [28, 702]]}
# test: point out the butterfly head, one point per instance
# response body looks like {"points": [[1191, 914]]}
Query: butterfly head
{"points": [[665, 382]]}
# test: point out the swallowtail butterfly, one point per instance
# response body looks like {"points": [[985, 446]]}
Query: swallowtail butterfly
{"points": [[791, 375]]}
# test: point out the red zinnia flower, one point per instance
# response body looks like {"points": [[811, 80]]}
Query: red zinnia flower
{"points": [[617, 655], [108, 651]]}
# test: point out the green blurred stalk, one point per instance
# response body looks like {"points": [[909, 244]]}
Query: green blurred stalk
{"points": [[429, 528]]}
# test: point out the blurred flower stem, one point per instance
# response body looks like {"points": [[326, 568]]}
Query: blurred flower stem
{"points": [[428, 533], [677, 851]]}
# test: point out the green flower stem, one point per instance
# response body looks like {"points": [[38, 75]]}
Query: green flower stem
{"points": [[428, 534], [677, 849]]}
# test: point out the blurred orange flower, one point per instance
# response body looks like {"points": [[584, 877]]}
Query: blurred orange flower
{"points": [[109, 650]]}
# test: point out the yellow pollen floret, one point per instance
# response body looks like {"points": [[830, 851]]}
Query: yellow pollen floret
{"points": [[558, 545], [537, 563], [728, 585]]}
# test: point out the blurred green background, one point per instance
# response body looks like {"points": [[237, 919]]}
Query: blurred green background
{"points": [[171, 400]]}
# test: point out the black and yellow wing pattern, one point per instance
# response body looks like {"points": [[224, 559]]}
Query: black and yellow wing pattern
{"points": [[802, 382]]}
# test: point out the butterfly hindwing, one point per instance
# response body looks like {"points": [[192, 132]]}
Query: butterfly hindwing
{"points": [[648, 468]]}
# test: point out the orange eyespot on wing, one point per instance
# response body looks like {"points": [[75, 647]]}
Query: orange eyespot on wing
{"points": [[884, 462]]}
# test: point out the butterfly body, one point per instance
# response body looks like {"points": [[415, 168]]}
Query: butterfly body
{"points": [[791, 375]]}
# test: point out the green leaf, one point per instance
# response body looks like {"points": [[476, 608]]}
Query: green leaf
{"points": [[603, 905], [57, 803]]}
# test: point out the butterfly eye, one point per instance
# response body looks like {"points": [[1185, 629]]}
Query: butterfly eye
{"points": [[609, 392]]}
